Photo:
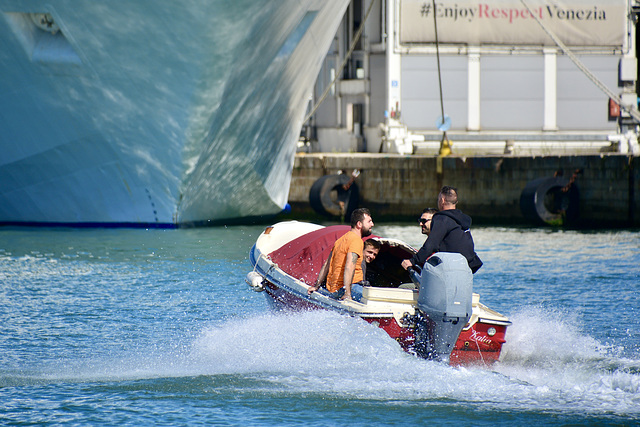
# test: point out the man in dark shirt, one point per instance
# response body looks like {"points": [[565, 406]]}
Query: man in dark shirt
{"points": [[425, 220], [449, 233]]}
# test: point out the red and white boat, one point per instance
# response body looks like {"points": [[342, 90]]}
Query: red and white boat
{"points": [[436, 315]]}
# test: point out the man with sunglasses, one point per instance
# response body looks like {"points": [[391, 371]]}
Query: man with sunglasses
{"points": [[425, 220], [448, 232]]}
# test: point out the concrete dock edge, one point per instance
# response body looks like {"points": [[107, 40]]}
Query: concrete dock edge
{"points": [[398, 187]]}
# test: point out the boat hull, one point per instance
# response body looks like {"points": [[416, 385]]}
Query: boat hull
{"points": [[154, 112], [474, 346]]}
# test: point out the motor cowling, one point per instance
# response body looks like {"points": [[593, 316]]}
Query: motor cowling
{"points": [[444, 304]]}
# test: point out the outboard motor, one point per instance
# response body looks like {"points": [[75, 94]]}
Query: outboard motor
{"points": [[444, 304]]}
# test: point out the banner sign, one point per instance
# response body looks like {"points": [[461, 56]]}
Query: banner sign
{"points": [[509, 22]]}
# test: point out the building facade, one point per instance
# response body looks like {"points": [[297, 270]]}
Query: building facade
{"points": [[517, 77]]}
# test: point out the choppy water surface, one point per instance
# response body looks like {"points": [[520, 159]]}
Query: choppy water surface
{"points": [[158, 327]]}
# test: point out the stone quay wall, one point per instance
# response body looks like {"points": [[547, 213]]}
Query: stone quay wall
{"points": [[398, 187]]}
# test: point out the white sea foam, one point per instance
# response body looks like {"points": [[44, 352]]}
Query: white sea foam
{"points": [[548, 365], [546, 349]]}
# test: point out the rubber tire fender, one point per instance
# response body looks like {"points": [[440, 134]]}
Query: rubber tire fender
{"points": [[326, 193], [543, 202]]}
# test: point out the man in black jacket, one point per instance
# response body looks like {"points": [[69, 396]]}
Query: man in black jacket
{"points": [[449, 233]]}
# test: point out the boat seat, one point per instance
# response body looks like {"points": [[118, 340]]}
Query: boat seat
{"points": [[397, 295], [408, 286]]}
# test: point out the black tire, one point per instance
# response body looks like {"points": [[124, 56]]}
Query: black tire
{"points": [[550, 201], [326, 194]]}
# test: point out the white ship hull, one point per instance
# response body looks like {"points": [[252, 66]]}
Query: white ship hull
{"points": [[154, 112]]}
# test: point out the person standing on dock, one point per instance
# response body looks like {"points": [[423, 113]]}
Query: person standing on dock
{"points": [[344, 265], [448, 232]]}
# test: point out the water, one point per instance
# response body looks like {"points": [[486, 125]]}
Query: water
{"points": [[136, 327]]}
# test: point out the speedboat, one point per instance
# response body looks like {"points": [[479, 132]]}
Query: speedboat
{"points": [[432, 313]]}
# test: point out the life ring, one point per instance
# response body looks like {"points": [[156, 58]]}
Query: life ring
{"points": [[552, 201], [328, 196]]}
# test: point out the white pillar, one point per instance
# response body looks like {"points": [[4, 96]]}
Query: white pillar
{"points": [[393, 64], [550, 89], [473, 94], [628, 71]]}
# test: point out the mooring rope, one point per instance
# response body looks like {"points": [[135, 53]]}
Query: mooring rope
{"points": [[479, 351], [632, 111], [435, 29], [344, 63], [444, 144]]}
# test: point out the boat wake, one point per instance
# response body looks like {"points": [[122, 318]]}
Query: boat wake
{"points": [[547, 366], [547, 350], [543, 337]]}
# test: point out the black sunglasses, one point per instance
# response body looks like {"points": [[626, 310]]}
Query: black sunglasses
{"points": [[424, 221]]}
